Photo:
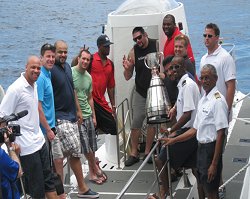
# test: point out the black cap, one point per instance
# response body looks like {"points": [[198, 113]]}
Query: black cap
{"points": [[103, 40]]}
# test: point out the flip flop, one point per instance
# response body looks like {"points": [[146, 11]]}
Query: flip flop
{"points": [[96, 181], [154, 196], [102, 175]]}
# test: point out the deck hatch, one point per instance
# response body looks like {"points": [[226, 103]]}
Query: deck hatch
{"points": [[245, 140], [240, 160]]}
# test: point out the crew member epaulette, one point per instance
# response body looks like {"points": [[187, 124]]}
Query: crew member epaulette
{"points": [[184, 83], [217, 95]]}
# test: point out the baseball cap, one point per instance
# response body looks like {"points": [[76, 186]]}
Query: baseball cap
{"points": [[103, 40]]}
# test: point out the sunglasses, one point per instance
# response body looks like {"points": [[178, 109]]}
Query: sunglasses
{"points": [[207, 35], [176, 66], [48, 47], [137, 38]]}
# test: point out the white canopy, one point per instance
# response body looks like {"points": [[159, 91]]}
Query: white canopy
{"points": [[145, 7]]}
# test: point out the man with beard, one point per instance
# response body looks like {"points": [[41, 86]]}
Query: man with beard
{"points": [[135, 60], [102, 72], [68, 114], [34, 156], [171, 31]]}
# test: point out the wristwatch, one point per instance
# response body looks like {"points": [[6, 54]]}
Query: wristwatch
{"points": [[11, 149]]}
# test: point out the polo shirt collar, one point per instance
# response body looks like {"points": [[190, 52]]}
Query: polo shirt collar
{"points": [[45, 71], [216, 52], [26, 83], [98, 58]]}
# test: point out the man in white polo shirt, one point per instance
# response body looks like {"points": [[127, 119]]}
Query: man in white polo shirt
{"points": [[34, 156], [223, 62]]}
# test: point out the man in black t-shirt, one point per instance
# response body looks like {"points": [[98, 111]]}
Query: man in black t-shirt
{"points": [[135, 61]]}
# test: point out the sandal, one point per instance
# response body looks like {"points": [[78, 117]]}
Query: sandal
{"points": [[96, 181], [154, 196], [101, 174]]}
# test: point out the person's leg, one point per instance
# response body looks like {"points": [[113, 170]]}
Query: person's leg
{"points": [[57, 156], [68, 135], [201, 192], [135, 134], [33, 175], [49, 184], [164, 186], [105, 120], [213, 195], [138, 112], [150, 138], [76, 167]]}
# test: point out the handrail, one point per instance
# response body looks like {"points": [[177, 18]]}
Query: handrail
{"points": [[128, 184], [124, 117], [234, 176]]}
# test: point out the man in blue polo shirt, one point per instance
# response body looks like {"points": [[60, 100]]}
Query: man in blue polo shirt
{"points": [[45, 92]]}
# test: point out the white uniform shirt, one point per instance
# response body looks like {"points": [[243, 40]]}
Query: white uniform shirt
{"points": [[188, 98], [22, 96], [225, 67], [212, 115]]}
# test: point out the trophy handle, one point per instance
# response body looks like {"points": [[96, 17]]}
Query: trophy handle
{"points": [[146, 64], [161, 57]]}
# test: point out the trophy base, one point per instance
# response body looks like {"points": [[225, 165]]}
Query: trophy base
{"points": [[158, 119]]}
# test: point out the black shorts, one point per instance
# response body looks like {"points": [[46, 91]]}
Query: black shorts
{"points": [[181, 154], [105, 120], [205, 154], [37, 173]]}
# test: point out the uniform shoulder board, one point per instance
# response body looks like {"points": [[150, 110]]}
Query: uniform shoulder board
{"points": [[184, 83], [217, 95]]}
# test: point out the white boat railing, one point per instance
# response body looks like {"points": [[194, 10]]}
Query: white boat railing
{"points": [[122, 120]]}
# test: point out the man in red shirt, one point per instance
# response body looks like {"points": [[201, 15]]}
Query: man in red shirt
{"points": [[102, 72], [171, 31]]}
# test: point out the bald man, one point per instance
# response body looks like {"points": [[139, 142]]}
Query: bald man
{"points": [[22, 95]]}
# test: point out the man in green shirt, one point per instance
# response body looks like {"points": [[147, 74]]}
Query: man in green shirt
{"points": [[83, 86]]}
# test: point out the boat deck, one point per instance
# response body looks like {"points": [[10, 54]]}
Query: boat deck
{"points": [[236, 156]]}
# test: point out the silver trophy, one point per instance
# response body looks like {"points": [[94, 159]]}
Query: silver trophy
{"points": [[158, 103]]}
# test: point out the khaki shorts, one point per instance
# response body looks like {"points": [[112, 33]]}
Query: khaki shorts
{"points": [[138, 110]]}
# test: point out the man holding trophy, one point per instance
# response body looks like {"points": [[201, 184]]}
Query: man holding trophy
{"points": [[135, 61]]}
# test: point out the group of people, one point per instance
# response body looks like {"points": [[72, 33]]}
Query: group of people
{"points": [[201, 107], [65, 104], [68, 103]]}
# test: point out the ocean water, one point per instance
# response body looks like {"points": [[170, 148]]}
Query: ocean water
{"points": [[26, 25]]}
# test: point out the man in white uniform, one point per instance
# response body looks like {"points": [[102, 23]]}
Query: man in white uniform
{"points": [[209, 126], [184, 153]]}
